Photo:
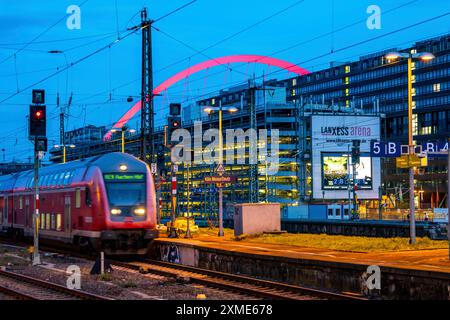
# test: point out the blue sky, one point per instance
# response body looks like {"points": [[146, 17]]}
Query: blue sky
{"points": [[101, 83]]}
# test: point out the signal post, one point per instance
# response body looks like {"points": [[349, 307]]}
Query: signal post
{"points": [[37, 127], [174, 123]]}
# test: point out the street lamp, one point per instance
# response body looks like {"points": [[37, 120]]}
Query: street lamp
{"points": [[424, 56], [64, 146], [123, 130], [220, 109]]}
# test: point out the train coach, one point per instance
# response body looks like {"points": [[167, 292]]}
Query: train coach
{"points": [[103, 203]]}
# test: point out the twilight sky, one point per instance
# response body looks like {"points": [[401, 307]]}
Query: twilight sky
{"points": [[100, 84]]}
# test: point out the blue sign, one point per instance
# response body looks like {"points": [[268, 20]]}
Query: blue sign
{"points": [[385, 149], [390, 149], [435, 148]]}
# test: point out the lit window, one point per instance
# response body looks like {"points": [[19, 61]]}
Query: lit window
{"points": [[437, 87], [58, 222], [77, 198], [347, 69], [42, 221], [20, 203], [47, 221], [294, 82]]}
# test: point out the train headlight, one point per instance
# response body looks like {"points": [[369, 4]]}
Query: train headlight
{"points": [[116, 211], [139, 211], [123, 167]]}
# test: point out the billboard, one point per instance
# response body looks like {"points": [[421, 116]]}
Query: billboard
{"points": [[336, 172], [331, 143]]}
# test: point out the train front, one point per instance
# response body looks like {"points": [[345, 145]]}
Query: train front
{"points": [[130, 206]]}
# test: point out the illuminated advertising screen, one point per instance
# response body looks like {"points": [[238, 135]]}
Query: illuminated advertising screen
{"points": [[335, 172]]}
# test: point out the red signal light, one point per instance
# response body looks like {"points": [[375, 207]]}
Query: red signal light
{"points": [[39, 114]]}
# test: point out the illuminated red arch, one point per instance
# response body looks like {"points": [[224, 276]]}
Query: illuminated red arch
{"points": [[205, 65]]}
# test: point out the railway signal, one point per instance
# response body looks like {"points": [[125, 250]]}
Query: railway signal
{"points": [[37, 131], [175, 109], [38, 120], [174, 124], [356, 151]]}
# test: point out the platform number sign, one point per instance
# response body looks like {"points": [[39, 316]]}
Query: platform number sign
{"points": [[385, 149]]}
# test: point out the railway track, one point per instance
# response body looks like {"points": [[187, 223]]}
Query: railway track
{"points": [[236, 283], [249, 286], [23, 287]]}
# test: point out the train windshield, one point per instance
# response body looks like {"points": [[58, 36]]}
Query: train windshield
{"points": [[126, 193]]}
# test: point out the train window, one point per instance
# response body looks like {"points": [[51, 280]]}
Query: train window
{"points": [[58, 222], [77, 198], [47, 221], [20, 202], [66, 178], [53, 222], [72, 174], [55, 180], [61, 179], [45, 182], [40, 181], [49, 180]]}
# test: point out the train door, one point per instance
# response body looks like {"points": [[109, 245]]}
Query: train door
{"points": [[2, 209], [67, 215], [27, 212], [5, 211]]}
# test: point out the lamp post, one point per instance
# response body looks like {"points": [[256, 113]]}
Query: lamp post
{"points": [[424, 56], [123, 130], [448, 196], [64, 147], [220, 109], [188, 234]]}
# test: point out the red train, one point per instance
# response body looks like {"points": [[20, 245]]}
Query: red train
{"points": [[102, 203]]}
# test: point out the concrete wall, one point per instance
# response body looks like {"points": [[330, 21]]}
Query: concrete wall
{"points": [[363, 228]]}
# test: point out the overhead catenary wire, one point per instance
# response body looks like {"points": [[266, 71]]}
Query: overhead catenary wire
{"points": [[309, 40], [358, 43], [271, 54], [69, 66], [40, 35]]}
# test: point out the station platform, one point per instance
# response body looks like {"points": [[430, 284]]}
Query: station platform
{"points": [[414, 274], [436, 260]]}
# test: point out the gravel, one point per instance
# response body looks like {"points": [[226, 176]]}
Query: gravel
{"points": [[121, 283]]}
